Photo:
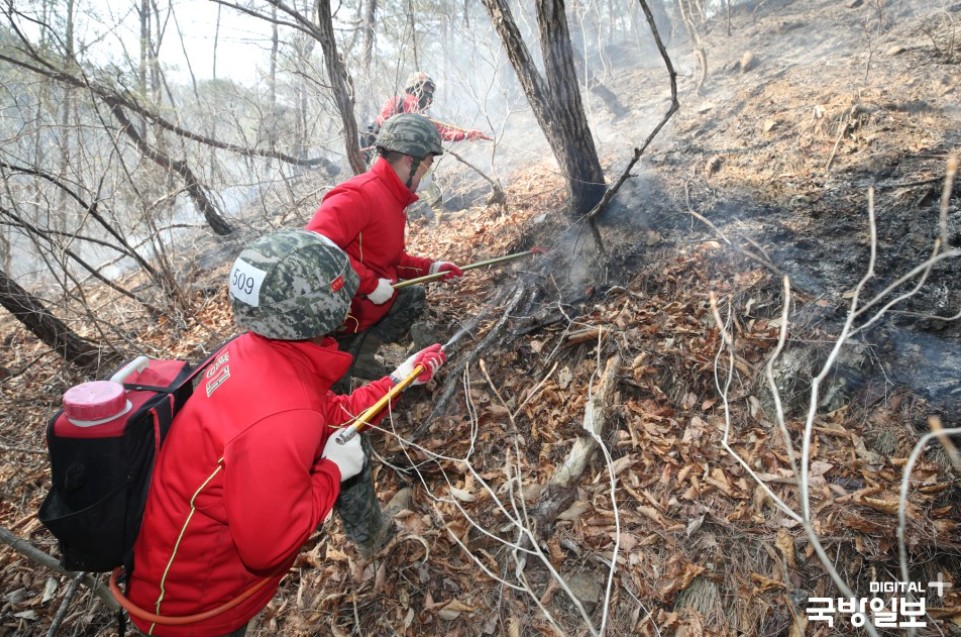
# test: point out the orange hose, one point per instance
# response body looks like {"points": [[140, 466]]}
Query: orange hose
{"points": [[181, 620]]}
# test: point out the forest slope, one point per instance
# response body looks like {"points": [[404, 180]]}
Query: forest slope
{"points": [[764, 172]]}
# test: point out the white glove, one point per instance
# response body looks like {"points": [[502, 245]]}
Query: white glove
{"points": [[349, 457], [382, 293], [431, 358]]}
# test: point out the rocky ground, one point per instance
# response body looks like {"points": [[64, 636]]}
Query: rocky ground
{"points": [[813, 113]]}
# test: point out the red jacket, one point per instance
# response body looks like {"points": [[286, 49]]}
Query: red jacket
{"points": [[366, 217], [239, 484], [409, 103]]}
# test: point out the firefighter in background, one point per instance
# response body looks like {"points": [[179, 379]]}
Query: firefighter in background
{"points": [[417, 98]]}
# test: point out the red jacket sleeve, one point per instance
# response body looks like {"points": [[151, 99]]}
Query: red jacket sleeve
{"points": [[411, 267], [344, 408], [340, 218], [276, 488], [390, 108], [450, 134]]}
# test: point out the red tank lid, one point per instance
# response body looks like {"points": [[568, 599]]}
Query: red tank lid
{"points": [[94, 400]]}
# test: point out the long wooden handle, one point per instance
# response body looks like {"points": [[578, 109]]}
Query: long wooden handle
{"points": [[427, 278]]}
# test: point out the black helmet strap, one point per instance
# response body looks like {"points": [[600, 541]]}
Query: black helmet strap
{"points": [[414, 165]]}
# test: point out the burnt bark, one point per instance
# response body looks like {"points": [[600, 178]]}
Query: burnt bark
{"points": [[34, 315], [555, 98]]}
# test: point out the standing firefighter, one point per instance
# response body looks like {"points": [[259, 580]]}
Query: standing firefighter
{"points": [[366, 217], [250, 467]]}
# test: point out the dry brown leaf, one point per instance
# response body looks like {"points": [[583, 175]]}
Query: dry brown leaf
{"points": [[884, 505], [785, 543], [554, 548], [651, 513], [461, 494], [766, 583], [575, 511], [799, 626], [454, 608]]}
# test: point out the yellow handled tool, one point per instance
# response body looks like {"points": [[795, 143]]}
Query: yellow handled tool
{"points": [[351, 430]]}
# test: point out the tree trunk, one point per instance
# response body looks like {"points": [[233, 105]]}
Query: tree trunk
{"points": [[556, 100], [30, 311], [340, 84], [370, 17]]}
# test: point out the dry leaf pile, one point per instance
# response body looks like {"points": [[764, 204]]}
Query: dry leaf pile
{"points": [[699, 546]]}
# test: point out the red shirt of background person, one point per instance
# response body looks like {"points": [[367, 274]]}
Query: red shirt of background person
{"points": [[417, 98], [249, 468]]}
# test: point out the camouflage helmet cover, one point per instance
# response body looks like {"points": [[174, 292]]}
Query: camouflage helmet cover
{"points": [[417, 80], [291, 285], [410, 134]]}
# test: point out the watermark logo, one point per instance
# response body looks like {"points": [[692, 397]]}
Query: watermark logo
{"points": [[890, 605]]}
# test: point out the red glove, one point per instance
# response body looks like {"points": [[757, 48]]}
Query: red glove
{"points": [[430, 357], [446, 266]]}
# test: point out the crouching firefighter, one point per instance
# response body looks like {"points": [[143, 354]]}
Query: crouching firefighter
{"points": [[250, 467]]}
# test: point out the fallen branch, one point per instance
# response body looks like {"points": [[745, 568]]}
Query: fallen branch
{"points": [[452, 382], [31, 552], [559, 492], [65, 604], [499, 194]]}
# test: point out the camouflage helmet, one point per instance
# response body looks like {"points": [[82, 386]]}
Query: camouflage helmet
{"points": [[417, 81], [291, 285], [410, 134]]}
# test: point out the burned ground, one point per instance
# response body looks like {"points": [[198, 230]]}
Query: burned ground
{"points": [[764, 173]]}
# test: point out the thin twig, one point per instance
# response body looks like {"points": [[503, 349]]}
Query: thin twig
{"points": [[65, 604]]}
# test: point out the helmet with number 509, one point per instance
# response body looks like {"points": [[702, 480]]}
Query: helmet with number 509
{"points": [[292, 285]]}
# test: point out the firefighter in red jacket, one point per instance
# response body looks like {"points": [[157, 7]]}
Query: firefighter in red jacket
{"points": [[417, 98], [366, 217], [250, 467]]}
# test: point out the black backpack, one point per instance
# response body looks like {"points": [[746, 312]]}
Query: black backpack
{"points": [[101, 472]]}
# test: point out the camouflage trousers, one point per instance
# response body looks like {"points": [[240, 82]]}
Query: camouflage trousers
{"points": [[407, 308], [396, 324], [358, 507]]}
